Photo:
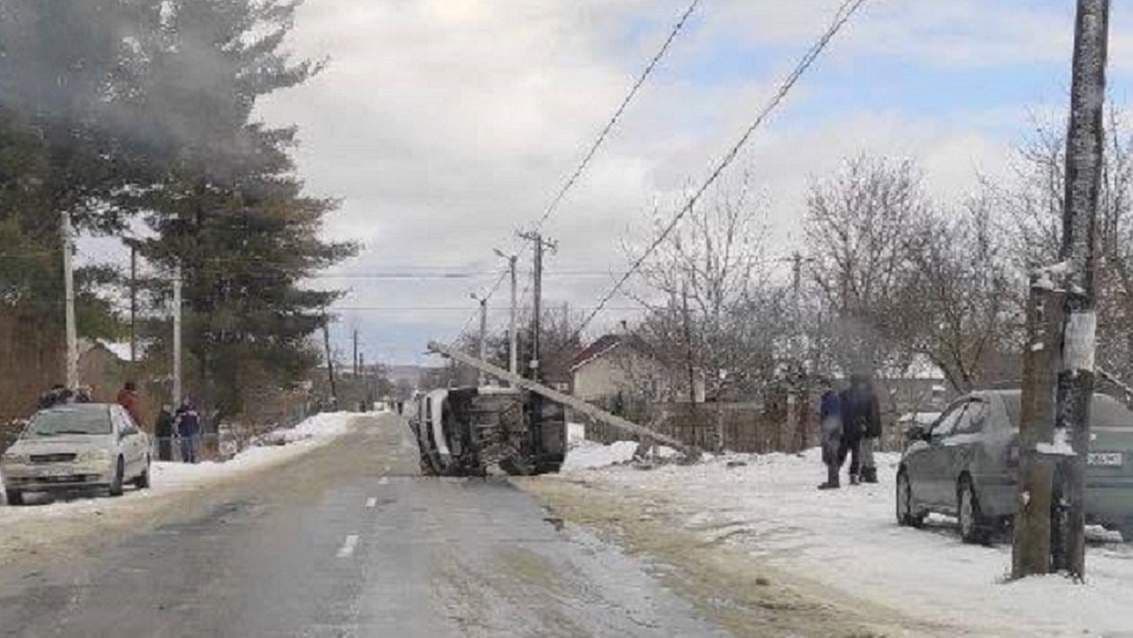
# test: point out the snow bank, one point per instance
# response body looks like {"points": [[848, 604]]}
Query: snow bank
{"points": [[321, 426], [849, 539]]}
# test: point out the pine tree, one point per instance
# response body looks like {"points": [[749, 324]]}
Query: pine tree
{"points": [[230, 210]]}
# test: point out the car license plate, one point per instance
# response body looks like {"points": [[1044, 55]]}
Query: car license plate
{"points": [[1112, 459]]}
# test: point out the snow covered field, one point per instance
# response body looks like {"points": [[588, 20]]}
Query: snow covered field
{"points": [[169, 477], [848, 539]]}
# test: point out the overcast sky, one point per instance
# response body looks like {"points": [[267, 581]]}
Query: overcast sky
{"points": [[445, 125]]}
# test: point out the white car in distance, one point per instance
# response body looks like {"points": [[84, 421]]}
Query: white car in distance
{"points": [[76, 446]]}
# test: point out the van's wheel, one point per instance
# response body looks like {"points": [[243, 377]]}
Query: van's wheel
{"points": [[116, 482], [973, 525], [142, 482], [15, 497], [905, 514]]}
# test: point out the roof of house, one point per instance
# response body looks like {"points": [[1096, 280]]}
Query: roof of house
{"points": [[603, 345]]}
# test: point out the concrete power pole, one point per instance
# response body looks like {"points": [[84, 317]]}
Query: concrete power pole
{"points": [[541, 244], [513, 328], [356, 353], [72, 364], [483, 342], [1084, 147], [177, 336]]}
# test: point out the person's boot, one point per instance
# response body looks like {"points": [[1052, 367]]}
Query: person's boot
{"points": [[854, 479], [831, 480], [869, 475]]}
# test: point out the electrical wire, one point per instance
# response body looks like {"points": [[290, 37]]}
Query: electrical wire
{"points": [[605, 133], [845, 12], [574, 177]]}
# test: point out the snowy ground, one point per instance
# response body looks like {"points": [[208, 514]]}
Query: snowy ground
{"points": [[168, 477], [848, 539]]}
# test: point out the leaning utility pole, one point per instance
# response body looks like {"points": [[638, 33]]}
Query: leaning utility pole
{"points": [[72, 366], [1084, 147], [177, 335]]}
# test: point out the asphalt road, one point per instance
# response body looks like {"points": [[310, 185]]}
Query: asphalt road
{"points": [[349, 540]]}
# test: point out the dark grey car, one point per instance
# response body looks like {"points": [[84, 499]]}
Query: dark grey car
{"points": [[965, 464]]}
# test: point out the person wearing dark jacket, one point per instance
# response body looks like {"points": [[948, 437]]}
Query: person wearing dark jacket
{"points": [[830, 420], [163, 430], [188, 424], [861, 420]]}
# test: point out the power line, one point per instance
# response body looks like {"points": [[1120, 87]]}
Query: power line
{"points": [[573, 179], [845, 12], [593, 150]]}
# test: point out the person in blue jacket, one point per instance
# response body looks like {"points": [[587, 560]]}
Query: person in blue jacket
{"points": [[188, 426], [830, 420]]}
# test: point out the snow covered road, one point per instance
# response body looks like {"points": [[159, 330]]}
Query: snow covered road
{"points": [[32, 528], [768, 508]]}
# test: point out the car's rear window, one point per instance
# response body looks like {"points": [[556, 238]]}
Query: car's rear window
{"points": [[1105, 411], [87, 419]]}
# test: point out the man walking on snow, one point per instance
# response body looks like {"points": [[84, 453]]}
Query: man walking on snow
{"points": [[861, 419]]}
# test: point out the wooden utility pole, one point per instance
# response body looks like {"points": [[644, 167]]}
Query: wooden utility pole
{"points": [[177, 335], [72, 363], [133, 304], [1031, 549], [355, 359], [1084, 148], [330, 358]]}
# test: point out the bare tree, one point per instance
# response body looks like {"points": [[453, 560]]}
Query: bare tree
{"points": [[1032, 199], [859, 227], [707, 282], [961, 294]]}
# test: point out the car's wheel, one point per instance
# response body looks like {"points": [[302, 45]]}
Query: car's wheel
{"points": [[15, 497], [142, 482], [905, 513], [1126, 533], [119, 476], [973, 526]]}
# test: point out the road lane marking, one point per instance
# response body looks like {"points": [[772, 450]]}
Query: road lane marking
{"points": [[347, 548], [371, 502], [383, 481]]}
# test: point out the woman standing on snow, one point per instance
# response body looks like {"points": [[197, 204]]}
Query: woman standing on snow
{"points": [[830, 418]]}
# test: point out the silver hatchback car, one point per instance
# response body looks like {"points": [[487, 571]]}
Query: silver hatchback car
{"points": [[79, 446], [965, 464]]}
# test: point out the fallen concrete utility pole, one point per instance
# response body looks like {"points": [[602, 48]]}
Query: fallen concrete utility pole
{"points": [[582, 407]]}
